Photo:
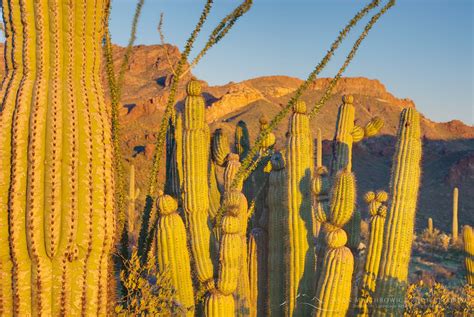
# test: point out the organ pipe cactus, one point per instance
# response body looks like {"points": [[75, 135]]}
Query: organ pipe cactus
{"points": [[277, 234], [242, 139], [133, 193], [468, 237], [56, 179], [172, 252], [174, 152], [220, 147], [299, 254], [455, 224], [334, 285], [378, 213], [195, 182], [348, 133], [242, 293], [405, 182], [353, 231], [219, 305], [430, 226], [258, 272]]}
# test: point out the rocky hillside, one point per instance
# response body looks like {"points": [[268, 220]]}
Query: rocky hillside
{"points": [[448, 147]]}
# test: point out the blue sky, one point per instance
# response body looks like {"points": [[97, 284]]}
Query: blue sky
{"points": [[421, 49]]}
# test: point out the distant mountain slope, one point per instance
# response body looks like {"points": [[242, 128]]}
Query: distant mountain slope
{"points": [[448, 159]]}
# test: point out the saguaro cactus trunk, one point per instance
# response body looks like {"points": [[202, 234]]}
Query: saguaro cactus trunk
{"points": [[392, 277], [56, 179]]}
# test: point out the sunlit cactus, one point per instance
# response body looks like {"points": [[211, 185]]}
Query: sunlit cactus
{"points": [[172, 251], [277, 234], [430, 225], [334, 285], [378, 212], [258, 272], [133, 194], [196, 142], [348, 133], [298, 256], [57, 222], [219, 305], [404, 185], [468, 237], [455, 224]]}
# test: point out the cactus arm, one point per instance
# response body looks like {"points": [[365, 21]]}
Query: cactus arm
{"points": [[334, 284], [343, 138], [219, 305], [405, 182], [455, 224], [378, 212], [258, 273], [242, 140], [172, 251], [468, 237], [299, 168], [195, 178], [277, 234]]}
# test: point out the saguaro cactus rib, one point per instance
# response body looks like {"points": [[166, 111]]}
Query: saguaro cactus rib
{"points": [[392, 278], [14, 71], [57, 266]]}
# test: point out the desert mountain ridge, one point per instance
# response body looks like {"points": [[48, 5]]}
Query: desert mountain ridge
{"points": [[448, 159]]}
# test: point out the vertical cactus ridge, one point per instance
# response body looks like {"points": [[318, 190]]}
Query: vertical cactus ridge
{"points": [[398, 234], [219, 305], [133, 193], [220, 147], [195, 178], [343, 139], [334, 287], [455, 224], [468, 237], [299, 258], [172, 251], [242, 139], [277, 234], [54, 79], [343, 199], [378, 212], [258, 272], [10, 83]]}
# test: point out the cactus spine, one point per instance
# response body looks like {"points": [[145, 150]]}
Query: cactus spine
{"points": [[455, 214], [133, 193], [172, 251], [54, 116], [277, 234], [299, 259], [378, 213], [392, 278], [334, 285], [468, 237], [195, 172]]}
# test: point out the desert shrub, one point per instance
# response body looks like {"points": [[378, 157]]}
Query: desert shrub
{"points": [[438, 300], [147, 292]]}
